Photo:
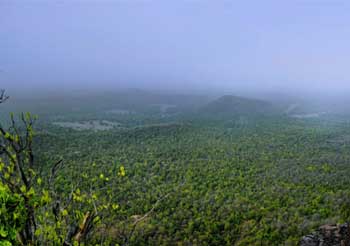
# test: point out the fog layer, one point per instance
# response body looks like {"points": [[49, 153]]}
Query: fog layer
{"points": [[284, 46]]}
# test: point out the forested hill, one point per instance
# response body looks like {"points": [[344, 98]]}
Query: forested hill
{"points": [[234, 105]]}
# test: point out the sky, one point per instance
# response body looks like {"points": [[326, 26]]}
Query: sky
{"points": [[290, 45]]}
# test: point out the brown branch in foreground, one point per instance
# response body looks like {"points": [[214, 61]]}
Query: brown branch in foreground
{"points": [[85, 227], [54, 170], [138, 220]]}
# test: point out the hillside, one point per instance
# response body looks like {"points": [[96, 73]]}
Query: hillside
{"points": [[185, 179], [234, 105]]}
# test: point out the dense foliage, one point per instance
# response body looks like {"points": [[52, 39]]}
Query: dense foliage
{"points": [[268, 184], [193, 180], [11, 216]]}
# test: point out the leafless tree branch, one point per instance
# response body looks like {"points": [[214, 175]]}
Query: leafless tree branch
{"points": [[3, 96]]}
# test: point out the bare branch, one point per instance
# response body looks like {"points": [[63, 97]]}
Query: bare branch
{"points": [[3, 96], [138, 220], [54, 170]]}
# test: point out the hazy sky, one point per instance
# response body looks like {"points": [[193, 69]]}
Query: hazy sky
{"points": [[270, 45]]}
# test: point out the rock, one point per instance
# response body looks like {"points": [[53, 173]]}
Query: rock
{"points": [[309, 240], [328, 235]]}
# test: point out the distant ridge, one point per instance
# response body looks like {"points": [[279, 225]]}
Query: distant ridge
{"points": [[230, 104]]}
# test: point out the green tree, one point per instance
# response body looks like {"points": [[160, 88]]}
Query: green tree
{"points": [[32, 210]]}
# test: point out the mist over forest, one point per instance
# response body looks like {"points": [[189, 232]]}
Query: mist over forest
{"points": [[190, 122]]}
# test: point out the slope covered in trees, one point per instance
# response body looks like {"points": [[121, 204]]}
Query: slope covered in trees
{"points": [[233, 105], [169, 180]]}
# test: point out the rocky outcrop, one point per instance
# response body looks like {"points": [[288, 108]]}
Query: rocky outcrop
{"points": [[328, 235]]}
